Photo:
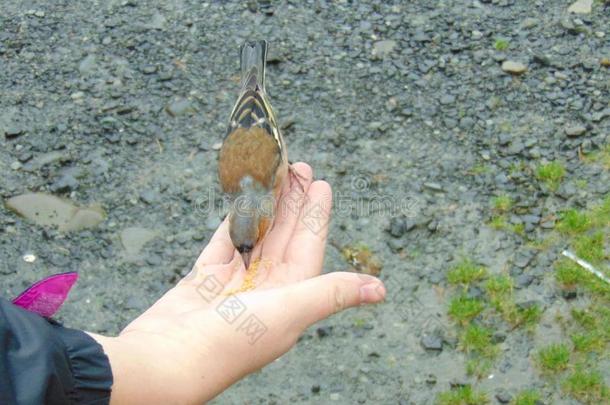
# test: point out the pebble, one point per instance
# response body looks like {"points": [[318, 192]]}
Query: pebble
{"points": [[447, 99], [212, 222], [87, 65], [149, 196], [49, 210], [581, 7], [530, 23], [217, 146], [16, 165], [13, 132], [29, 258], [65, 183], [395, 245], [323, 331], [432, 342], [498, 337], [569, 293], [503, 396], [576, 130], [513, 67], [515, 148], [433, 186], [524, 280], [179, 107], [397, 227], [381, 49], [149, 69], [153, 259], [133, 239]]}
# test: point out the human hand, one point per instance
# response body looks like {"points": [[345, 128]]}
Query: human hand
{"points": [[200, 338]]}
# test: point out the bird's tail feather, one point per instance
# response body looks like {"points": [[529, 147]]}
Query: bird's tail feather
{"points": [[253, 56]]}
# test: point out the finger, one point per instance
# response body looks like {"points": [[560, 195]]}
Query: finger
{"points": [[220, 249], [317, 298], [222, 272], [308, 240], [287, 215]]}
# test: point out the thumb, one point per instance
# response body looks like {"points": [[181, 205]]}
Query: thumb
{"points": [[319, 297]]}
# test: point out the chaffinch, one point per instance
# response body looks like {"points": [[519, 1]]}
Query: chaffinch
{"points": [[253, 161]]}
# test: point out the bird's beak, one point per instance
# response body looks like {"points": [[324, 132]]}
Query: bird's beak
{"points": [[246, 258]]}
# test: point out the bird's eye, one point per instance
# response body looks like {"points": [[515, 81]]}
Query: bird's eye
{"points": [[245, 248]]}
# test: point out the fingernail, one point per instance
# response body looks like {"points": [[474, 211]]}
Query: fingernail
{"points": [[372, 292]]}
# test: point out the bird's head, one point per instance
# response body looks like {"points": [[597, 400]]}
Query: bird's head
{"points": [[249, 220]]}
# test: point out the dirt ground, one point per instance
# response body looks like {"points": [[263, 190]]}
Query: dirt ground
{"points": [[425, 117]]}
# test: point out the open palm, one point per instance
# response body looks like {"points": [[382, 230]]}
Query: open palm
{"points": [[204, 334]]}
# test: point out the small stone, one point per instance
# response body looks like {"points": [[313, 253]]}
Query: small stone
{"points": [[315, 389], [29, 258], [524, 280], [153, 259], [433, 186], [576, 130], [515, 148], [503, 396], [149, 196], [529, 23], [157, 22], [381, 49], [217, 146], [431, 379], [178, 107], [513, 67], [212, 222], [395, 245], [13, 132], [133, 239], [323, 331], [64, 184], [16, 165], [335, 396], [447, 99], [87, 65], [522, 259], [498, 337], [432, 342], [25, 156], [149, 69], [569, 293], [134, 302], [397, 227], [581, 7], [476, 35]]}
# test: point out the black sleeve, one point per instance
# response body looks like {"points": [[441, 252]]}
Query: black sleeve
{"points": [[42, 362]]}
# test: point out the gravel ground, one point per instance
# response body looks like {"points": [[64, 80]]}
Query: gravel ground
{"points": [[418, 113]]}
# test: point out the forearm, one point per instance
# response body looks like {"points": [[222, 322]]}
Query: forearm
{"points": [[144, 372]]}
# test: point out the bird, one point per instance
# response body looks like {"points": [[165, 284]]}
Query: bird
{"points": [[253, 160]]}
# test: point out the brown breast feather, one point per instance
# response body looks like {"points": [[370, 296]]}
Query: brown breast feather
{"points": [[250, 152]]}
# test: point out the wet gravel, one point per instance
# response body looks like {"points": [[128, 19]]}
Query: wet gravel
{"points": [[407, 108]]}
